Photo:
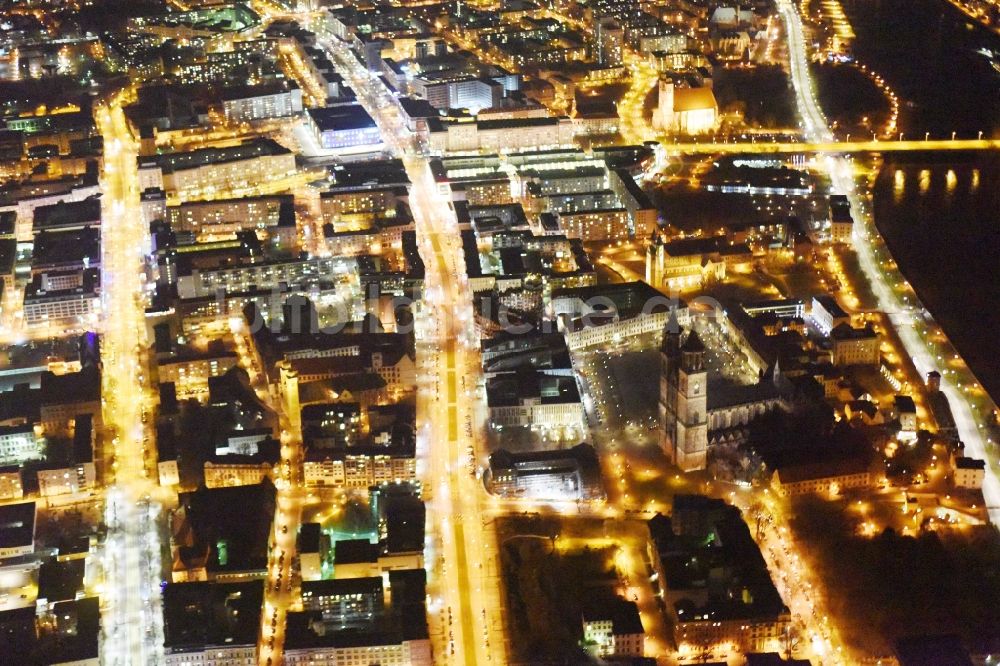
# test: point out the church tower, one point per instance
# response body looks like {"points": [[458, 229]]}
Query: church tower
{"points": [[670, 356], [683, 399], [655, 256]]}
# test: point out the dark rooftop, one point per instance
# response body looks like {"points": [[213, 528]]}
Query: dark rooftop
{"points": [[17, 524], [624, 615], [233, 524], [308, 541], [68, 214], [354, 551], [202, 614], [60, 581], [178, 161], [341, 586], [58, 248], [345, 117]]}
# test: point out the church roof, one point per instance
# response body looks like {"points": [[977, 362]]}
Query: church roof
{"points": [[693, 343], [693, 99]]}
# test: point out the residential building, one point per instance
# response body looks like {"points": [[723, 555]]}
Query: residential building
{"points": [[969, 473], [17, 529], [601, 224], [358, 467], [841, 220], [347, 602], [189, 369], [212, 623], [260, 102], [310, 639], [11, 483], [268, 216], [207, 172], [234, 469], [222, 534], [499, 135], [855, 346], [825, 477], [613, 628], [71, 470], [18, 444]]}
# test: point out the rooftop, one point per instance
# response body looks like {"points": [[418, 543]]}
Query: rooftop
{"points": [[199, 615], [230, 525], [693, 99], [969, 463], [342, 586], [179, 161], [17, 525], [624, 615], [68, 214], [354, 551], [823, 469], [344, 117], [72, 247]]}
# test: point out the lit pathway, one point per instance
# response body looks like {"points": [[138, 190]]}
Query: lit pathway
{"points": [[828, 145]]}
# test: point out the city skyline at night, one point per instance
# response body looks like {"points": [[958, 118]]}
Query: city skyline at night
{"points": [[392, 333]]}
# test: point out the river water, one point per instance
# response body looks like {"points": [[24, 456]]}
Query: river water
{"points": [[941, 218], [931, 55], [940, 213]]}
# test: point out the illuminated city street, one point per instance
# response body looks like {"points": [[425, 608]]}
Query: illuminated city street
{"points": [[132, 619], [466, 585], [910, 320]]}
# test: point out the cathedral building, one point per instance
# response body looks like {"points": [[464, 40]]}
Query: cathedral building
{"points": [[696, 415]]}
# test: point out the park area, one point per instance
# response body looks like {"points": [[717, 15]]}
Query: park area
{"points": [[889, 585]]}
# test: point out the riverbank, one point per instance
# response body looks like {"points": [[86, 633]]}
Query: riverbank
{"points": [[938, 215], [928, 52]]}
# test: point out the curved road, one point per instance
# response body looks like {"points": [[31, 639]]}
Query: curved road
{"points": [[905, 317]]}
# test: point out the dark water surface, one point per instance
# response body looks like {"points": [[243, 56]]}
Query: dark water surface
{"points": [[941, 217], [929, 53], [940, 213]]}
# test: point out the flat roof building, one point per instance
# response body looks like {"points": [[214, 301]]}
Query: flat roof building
{"points": [[344, 127], [67, 215], [556, 474], [217, 622], [17, 529]]}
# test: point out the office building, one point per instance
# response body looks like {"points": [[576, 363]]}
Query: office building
{"points": [[347, 127], [563, 474]]}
